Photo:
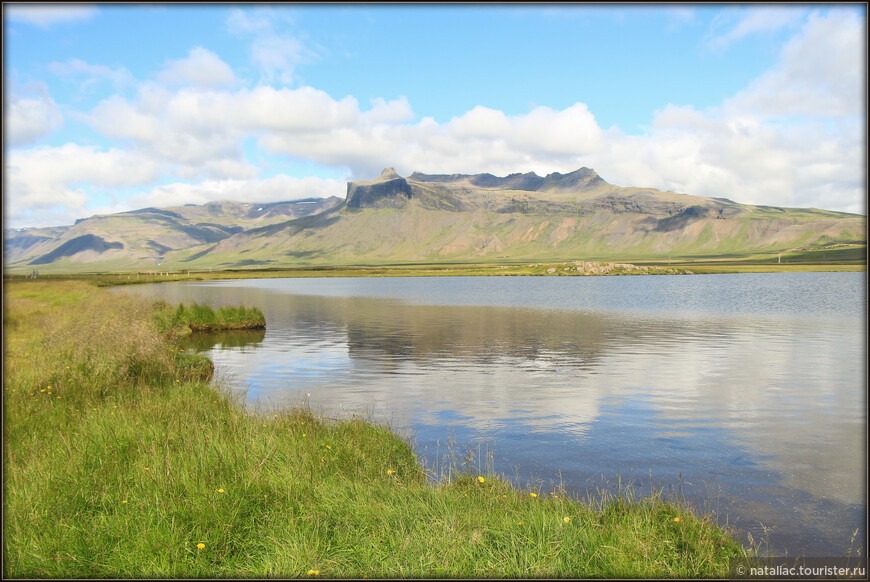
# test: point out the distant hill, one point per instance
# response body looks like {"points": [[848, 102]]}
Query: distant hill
{"points": [[143, 238], [444, 217]]}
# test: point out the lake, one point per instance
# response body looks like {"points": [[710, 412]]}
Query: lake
{"points": [[745, 394]]}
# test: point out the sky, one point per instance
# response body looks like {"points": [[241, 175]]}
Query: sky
{"points": [[108, 108]]}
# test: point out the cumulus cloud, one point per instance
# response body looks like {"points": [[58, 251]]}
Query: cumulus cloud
{"points": [[395, 111], [820, 73], [202, 68], [48, 168], [481, 140], [788, 139], [481, 122], [60, 179], [29, 113], [275, 189], [712, 154], [45, 15], [792, 137]]}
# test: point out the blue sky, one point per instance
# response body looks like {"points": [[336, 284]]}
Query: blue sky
{"points": [[115, 107]]}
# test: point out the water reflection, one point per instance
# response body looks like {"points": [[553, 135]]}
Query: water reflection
{"points": [[759, 417], [237, 338]]}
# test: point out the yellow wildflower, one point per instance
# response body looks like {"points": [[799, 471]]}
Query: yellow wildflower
{"points": [[480, 479], [200, 546], [533, 494], [567, 520], [676, 519], [328, 447], [125, 501], [313, 572], [390, 471], [221, 491]]}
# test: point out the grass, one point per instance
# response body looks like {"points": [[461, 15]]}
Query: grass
{"points": [[197, 317], [825, 258], [122, 460]]}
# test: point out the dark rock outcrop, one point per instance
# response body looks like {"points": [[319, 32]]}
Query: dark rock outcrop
{"points": [[580, 180], [388, 191]]}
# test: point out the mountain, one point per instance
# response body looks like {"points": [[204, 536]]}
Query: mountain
{"points": [[143, 238], [444, 217]]}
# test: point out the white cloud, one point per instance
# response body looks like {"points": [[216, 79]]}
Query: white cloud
{"points": [[59, 179], [119, 77], [29, 114], [481, 122], [116, 118], [821, 73], [395, 111], [716, 153], [275, 189], [70, 164], [202, 68], [293, 110], [572, 131], [276, 55], [45, 15], [792, 137], [244, 22], [754, 21]]}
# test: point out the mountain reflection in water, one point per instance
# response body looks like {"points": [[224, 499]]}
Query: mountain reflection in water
{"points": [[757, 417]]}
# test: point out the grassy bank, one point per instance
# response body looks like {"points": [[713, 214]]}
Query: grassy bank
{"points": [[121, 460], [196, 317]]}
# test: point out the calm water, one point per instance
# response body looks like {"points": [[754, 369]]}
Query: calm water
{"points": [[747, 392]]}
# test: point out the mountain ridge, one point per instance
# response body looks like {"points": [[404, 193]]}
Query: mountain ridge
{"points": [[432, 217]]}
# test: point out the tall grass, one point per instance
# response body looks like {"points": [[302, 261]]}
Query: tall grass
{"points": [[121, 460], [204, 318]]}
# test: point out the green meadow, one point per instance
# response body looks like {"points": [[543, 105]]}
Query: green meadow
{"points": [[123, 460], [831, 258]]}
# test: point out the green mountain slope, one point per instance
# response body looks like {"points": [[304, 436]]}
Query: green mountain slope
{"points": [[523, 216], [429, 218], [142, 238]]}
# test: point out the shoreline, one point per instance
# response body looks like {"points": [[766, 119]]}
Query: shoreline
{"points": [[152, 461], [532, 269]]}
